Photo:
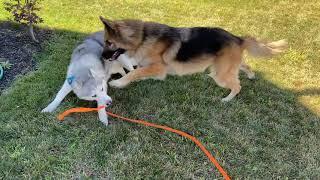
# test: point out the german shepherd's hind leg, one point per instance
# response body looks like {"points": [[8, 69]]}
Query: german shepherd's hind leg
{"points": [[229, 81], [225, 72], [156, 70], [235, 87], [246, 69]]}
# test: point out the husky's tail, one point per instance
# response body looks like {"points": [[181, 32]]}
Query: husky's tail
{"points": [[257, 48]]}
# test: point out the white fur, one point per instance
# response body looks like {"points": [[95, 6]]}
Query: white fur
{"points": [[100, 91], [96, 73], [119, 83], [90, 75], [127, 62]]}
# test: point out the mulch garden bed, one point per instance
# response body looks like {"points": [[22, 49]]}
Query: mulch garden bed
{"points": [[17, 47]]}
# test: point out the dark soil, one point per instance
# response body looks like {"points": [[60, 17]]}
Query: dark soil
{"points": [[17, 47]]}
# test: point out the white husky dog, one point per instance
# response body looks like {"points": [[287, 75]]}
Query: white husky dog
{"points": [[88, 74]]}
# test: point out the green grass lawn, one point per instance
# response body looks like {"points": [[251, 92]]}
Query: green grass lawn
{"points": [[270, 130]]}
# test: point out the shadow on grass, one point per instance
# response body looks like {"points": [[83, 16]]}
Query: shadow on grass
{"points": [[264, 132], [308, 92]]}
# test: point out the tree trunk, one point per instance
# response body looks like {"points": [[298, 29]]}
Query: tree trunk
{"points": [[32, 33]]}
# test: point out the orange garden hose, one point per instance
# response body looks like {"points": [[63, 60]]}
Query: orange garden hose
{"points": [[145, 123]]}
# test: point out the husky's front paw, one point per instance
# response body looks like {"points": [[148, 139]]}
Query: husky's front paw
{"points": [[225, 100], [119, 83], [48, 109], [104, 119]]}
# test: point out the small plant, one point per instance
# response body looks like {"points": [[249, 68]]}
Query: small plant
{"points": [[25, 12], [6, 64]]}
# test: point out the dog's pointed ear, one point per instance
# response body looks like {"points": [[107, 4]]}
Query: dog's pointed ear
{"points": [[104, 84], [95, 74], [126, 31], [108, 25]]}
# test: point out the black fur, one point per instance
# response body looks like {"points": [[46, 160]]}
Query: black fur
{"points": [[112, 54], [163, 32], [205, 41], [107, 53]]}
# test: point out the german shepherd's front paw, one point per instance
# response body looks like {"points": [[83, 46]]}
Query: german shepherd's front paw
{"points": [[119, 83]]}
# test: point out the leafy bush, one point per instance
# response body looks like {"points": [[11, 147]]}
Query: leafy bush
{"points": [[25, 12]]}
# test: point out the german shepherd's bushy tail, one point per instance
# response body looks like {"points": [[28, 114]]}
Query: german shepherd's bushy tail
{"points": [[257, 48]]}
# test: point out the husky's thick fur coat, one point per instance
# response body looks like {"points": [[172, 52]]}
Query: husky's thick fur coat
{"points": [[88, 74]]}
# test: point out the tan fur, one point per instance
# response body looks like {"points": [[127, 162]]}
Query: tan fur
{"points": [[260, 49], [247, 69], [225, 70]]}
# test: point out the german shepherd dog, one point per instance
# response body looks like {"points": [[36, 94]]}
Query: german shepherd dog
{"points": [[161, 49]]}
